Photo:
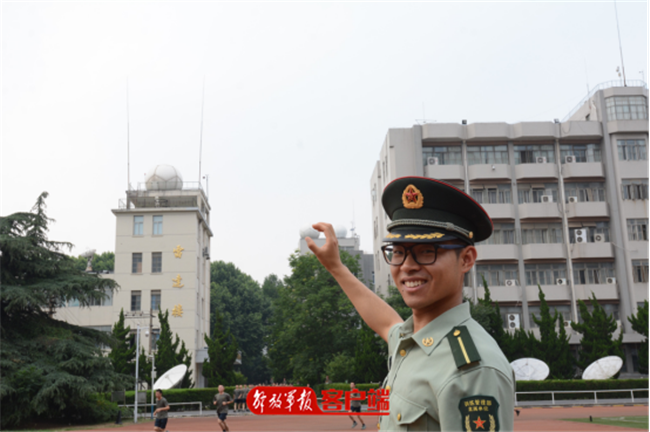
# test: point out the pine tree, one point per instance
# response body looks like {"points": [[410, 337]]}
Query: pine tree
{"points": [[597, 329], [639, 323], [222, 353], [556, 353], [170, 354], [122, 353], [495, 321], [50, 369]]}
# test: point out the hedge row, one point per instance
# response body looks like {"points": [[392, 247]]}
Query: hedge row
{"points": [[205, 395]]}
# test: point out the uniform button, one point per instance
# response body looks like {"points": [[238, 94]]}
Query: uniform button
{"points": [[399, 417], [388, 388], [402, 353], [378, 426]]}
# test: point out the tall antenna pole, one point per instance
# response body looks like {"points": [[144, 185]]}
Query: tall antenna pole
{"points": [[128, 143], [620, 47], [201, 134]]}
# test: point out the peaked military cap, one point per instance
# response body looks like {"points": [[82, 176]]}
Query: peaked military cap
{"points": [[425, 210]]}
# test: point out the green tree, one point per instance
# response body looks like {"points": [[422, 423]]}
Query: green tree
{"points": [[122, 353], [340, 368], [494, 320], [639, 323], [396, 301], [171, 352], [245, 311], [312, 320], [557, 352], [597, 328], [50, 369], [222, 352], [271, 286], [101, 263], [369, 356]]}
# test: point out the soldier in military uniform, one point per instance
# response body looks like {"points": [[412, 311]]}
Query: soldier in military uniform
{"points": [[445, 371]]}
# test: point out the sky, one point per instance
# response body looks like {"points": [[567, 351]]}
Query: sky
{"points": [[297, 100]]}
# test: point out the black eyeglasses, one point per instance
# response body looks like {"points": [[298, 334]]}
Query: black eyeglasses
{"points": [[423, 254]]}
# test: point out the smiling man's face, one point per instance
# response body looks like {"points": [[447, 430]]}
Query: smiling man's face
{"points": [[436, 287]]}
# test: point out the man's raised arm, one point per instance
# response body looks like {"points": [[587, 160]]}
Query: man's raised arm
{"points": [[375, 312]]}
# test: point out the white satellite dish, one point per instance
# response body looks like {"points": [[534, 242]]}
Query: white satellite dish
{"points": [[171, 378], [603, 368], [530, 369]]}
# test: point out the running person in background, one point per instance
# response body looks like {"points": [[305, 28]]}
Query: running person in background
{"points": [[161, 412], [237, 396], [222, 400], [245, 391], [355, 406]]}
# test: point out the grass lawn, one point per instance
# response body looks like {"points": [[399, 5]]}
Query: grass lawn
{"points": [[639, 422]]}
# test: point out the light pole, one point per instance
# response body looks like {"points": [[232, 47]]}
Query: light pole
{"points": [[137, 369]]}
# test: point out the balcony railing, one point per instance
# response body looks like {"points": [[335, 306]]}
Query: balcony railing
{"points": [[601, 86]]}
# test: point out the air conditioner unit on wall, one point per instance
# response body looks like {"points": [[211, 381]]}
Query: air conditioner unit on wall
{"points": [[581, 235], [567, 326], [511, 282], [433, 161], [573, 199], [570, 159], [541, 159], [547, 198], [611, 280], [514, 321], [560, 281], [599, 238]]}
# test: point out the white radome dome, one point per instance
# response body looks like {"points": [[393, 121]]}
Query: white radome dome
{"points": [[341, 231], [308, 231], [164, 177]]}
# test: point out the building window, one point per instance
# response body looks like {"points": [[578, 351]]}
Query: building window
{"points": [[563, 310], [581, 152], [640, 271], [157, 225], [627, 108], [135, 300], [107, 301], [631, 150], [635, 189], [155, 300], [584, 192], [447, 155], [503, 234], [609, 309], [156, 262], [535, 193], [637, 229], [544, 274], [592, 273], [541, 233], [136, 262], [496, 275], [138, 225], [529, 153], [491, 194], [487, 155], [155, 335]]}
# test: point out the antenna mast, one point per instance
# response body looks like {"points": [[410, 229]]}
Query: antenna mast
{"points": [[620, 47], [128, 143], [201, 134]]}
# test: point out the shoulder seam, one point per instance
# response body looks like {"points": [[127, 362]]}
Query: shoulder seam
{"points": [[446, 383]]}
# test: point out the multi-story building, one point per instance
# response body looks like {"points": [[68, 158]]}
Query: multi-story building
{"points": [[569, 202], [351, 244], [162, 252]]}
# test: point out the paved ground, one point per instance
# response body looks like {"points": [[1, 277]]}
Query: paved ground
{"points": [[529, 419]]}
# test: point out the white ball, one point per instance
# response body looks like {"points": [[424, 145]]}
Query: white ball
{"points": [[164, 177], [341, 231], [308, 231]]}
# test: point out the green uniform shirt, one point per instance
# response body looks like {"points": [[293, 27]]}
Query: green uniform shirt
{"points": [[433, 388], [220, 399]]}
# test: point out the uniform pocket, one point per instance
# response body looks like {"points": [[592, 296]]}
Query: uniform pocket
{"points": [[407, 414]]}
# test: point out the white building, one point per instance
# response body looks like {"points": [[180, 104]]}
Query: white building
{"points": [[569, 202], [162, 262]]}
